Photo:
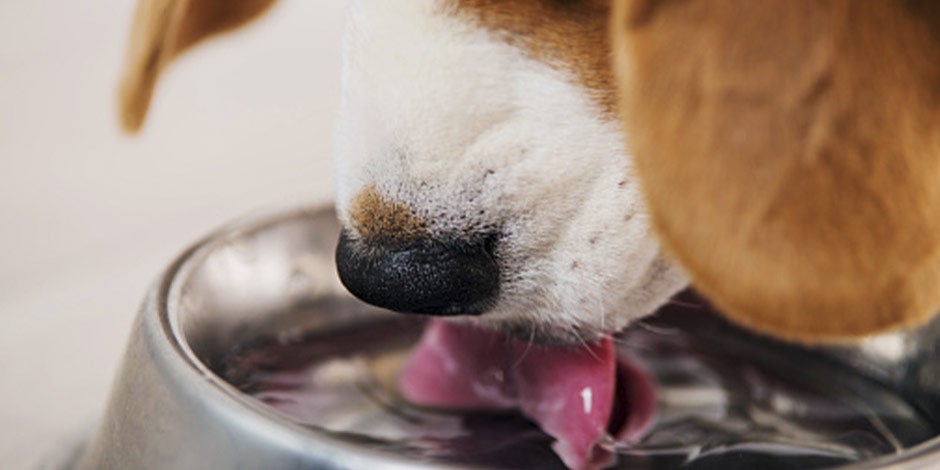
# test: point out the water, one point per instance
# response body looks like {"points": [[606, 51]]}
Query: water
{"points": [[726, 399]]}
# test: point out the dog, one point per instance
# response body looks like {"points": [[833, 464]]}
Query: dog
{"points": [[560, 168]]}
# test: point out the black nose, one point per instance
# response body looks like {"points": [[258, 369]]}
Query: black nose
{"points": [[423, 276]]}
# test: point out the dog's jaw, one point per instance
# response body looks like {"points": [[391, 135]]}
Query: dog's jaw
{"points": [[477, 137]]}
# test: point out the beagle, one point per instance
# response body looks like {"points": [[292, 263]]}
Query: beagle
{"points": [[560, 168]]}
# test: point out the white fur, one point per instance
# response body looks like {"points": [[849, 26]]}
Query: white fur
{"points": [[475, 135]]}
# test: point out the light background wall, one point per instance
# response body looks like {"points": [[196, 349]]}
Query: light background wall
{"points": [[89, 217]]}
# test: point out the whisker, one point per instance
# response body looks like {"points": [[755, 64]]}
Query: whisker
{"points": [[528, 347], [682, 303], [660, 330], [587, 347]]}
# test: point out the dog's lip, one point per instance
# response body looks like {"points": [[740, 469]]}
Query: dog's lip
{"points": [[538, 334]]}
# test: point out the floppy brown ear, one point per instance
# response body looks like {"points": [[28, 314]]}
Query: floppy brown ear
{"points": [[161, 30], [789, 151]]}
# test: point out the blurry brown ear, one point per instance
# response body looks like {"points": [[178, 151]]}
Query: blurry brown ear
{"points": [[161, 30], [789, 151]]}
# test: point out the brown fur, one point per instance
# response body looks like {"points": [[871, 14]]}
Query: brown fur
{"points": [[375, 218], [569, 35], [161, 30], [789, 152]]}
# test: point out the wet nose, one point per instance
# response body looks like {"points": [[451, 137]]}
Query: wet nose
{"points": [[436, 277]]}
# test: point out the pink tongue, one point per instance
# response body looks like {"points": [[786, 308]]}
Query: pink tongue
{"points": [[572, 394]]}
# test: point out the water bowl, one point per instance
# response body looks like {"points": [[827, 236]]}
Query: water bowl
{"points": [[248, 353]]}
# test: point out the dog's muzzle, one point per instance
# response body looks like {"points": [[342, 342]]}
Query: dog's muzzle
{"points": [[427, 276]]}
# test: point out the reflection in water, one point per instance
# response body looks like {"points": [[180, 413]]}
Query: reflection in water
{"points": [[726, 399]]}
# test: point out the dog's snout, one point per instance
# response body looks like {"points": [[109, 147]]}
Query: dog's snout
{"points": [[424, 276], [389, 258]]}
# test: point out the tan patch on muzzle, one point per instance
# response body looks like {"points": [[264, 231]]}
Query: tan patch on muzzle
{"points": [[376, 218]]}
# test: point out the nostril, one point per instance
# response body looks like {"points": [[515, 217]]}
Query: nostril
{"points": [[426, 276]]}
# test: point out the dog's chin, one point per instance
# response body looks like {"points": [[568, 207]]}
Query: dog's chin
{"points": [[546, 333]]}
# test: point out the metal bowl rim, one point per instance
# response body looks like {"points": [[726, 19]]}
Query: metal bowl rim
{"points": [[236, 405]]}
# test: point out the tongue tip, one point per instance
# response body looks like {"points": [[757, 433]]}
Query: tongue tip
{"points": [[639, 398], [594, 458], [631, 415]]}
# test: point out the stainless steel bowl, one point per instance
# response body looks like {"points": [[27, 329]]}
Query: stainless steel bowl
{"points": [[274, 278]]}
